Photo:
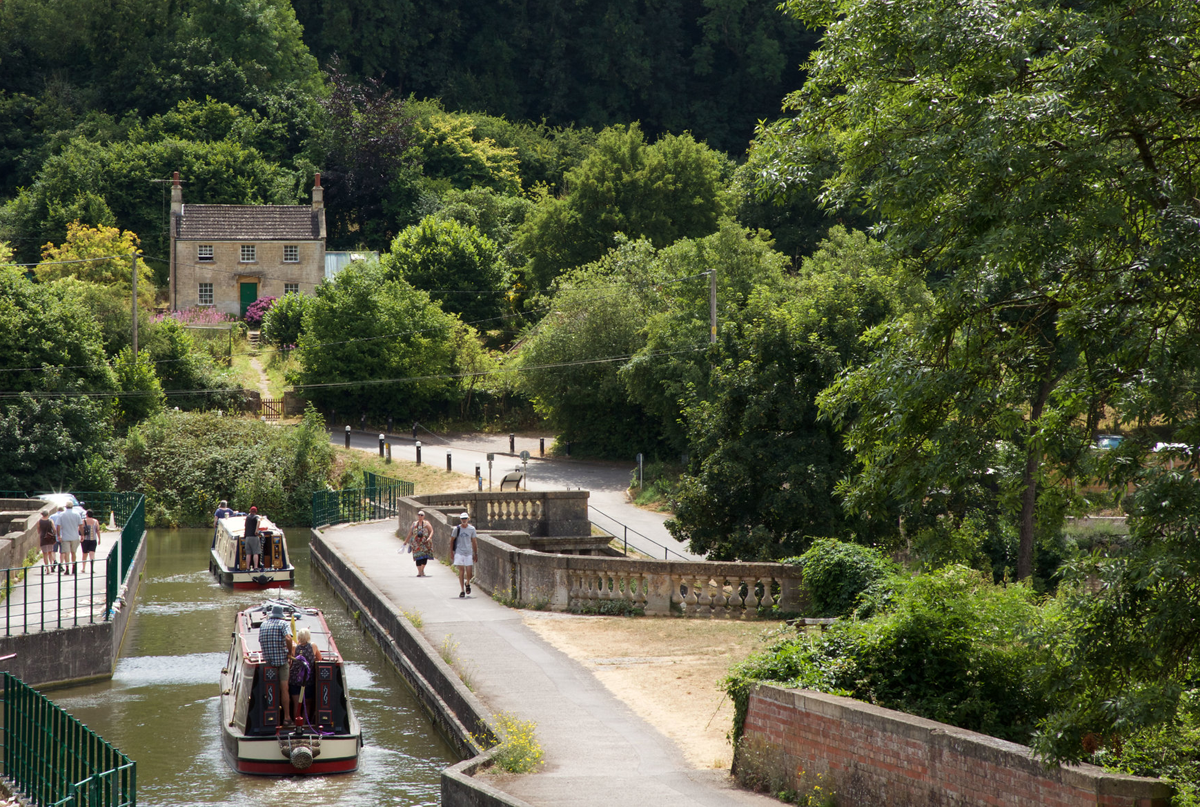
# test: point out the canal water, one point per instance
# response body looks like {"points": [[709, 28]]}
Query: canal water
{"points": [[160, 708]]}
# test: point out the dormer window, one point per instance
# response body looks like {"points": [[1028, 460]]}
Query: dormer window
{"points": [[204, 253], [249, 253]]}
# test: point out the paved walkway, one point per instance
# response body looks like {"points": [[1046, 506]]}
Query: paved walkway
{"points": [[606, 481], [43, 598], [597, 750]]}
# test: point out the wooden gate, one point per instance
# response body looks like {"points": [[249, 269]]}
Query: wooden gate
{"points": [[271, 408]]}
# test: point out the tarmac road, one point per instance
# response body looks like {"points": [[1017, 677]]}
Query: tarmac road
{"points": [[606, 481]]}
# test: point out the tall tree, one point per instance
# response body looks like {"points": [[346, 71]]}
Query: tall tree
{"points": [[1039, 159]]}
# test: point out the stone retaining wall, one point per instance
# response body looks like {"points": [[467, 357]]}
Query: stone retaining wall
{"points": [[874, 756]]}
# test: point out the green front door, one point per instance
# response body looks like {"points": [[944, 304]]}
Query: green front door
{"points": [[249, 295]]}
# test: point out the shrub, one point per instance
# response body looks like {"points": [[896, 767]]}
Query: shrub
{"points": [[952, 647], [282, 324], [837, 573], [257, 310]]}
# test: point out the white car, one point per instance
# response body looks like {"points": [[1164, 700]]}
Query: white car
{"points": [[59, 499]]}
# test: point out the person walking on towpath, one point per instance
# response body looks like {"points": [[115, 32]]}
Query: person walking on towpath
{"points": [[420, 540], [70, 529], [466, 549], [47, 534], [276, 644], [91, 539]]}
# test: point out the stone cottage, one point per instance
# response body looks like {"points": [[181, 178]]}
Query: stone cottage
{"points": [[227, 256]]}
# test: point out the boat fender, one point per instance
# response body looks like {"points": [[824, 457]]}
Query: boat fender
{"points": [[302, 757], [262, 579]]}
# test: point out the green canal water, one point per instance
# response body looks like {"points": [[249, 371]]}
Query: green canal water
{"points": [[161, 706]]}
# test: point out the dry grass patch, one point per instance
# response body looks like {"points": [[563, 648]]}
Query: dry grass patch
{"points": [[349, 464], [667, 670]]}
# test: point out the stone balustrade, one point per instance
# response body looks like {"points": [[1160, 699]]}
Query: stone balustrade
{"points": [[523, 576]]}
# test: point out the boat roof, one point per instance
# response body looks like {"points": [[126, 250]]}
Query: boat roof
{"points": [[236, 525], [248, 622]]}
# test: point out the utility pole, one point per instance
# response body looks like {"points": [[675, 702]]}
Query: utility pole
{"points": [[133, 265], [712, 306]]}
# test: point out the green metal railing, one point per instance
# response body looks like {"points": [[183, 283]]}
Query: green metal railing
{"points": [[379, 497], [53, 760], [90, 599]]}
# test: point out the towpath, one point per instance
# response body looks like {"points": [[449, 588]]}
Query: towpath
{"points": [[597, 750], [606, 481], [42, 598]]}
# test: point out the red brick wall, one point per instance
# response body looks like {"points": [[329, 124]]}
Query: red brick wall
{"points": [[874, 757]]}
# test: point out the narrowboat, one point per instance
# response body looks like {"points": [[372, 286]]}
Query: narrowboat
{"points": [[230, 563], [325, 740]]}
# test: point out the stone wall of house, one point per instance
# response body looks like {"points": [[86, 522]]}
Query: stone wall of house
{"points": [[226, 271]]}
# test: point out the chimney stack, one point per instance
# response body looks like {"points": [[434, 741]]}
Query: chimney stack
{"points": [[176, 195], [318, 193]]}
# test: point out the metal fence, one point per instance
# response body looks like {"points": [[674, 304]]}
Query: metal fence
{"points": [[378, 498], [36, 599], [53, 760]]}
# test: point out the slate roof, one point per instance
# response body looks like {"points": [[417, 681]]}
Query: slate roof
{"points": [[248, 223]]}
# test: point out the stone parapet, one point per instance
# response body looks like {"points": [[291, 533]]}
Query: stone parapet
{"points": [[869, 755]]}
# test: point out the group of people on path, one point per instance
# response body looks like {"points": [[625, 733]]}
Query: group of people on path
{"points": [[295, 658], [464, 548], [63, 533]]}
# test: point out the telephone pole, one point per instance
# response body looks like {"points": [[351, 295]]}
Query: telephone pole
{"points": [[712, 306], [133, 265]]}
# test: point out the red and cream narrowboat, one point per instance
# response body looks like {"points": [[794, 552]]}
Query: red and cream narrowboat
{"points": [[229, 561], [326, 740]]}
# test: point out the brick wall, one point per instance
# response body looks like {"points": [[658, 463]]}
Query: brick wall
{"points": [[874, 756]]}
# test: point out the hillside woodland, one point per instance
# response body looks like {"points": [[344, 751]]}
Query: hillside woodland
{"points": [[950, 245]]}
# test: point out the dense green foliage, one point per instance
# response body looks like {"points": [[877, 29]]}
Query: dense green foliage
{"points": [[714, 68], [836, 573], [756, 436], [950, 646], [284, 322], [55, 407], [458, 265], [187, 462], [372, 343]]}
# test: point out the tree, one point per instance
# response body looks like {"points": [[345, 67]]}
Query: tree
{"points": [[1039, 161], [100, 255], [459, 266], [366, 149], [372, 343], [672, 365], [764, 464], [662, 192], [569, 363], [141, 392], [55, 409], [284, 322], [452, 151]]}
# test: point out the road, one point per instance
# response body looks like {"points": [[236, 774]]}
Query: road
{"points": [[606, 481]]}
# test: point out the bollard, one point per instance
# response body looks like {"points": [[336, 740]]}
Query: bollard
{"points": [[418, 452], [390, 424], [389, 453], [568, 448], [381, 445], [362, 422], [447, 460], [541, 446], [414, 430], [347, 435], [477, 474], [512, 443]]}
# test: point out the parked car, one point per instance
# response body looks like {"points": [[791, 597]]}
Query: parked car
{"points": [[1107, 441], [59, 499]]}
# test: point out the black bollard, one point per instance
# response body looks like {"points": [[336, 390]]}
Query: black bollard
{"points": [[390, 424], [347, 436], [447, 460], [512, 444], [541, 446], [381, 445], [568, 448], [362, 422], [418, 452]]}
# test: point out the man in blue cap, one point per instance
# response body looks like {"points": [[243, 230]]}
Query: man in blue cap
{"points": [[276, 646]]}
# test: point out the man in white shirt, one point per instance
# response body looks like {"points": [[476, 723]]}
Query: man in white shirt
{"points": [[70, 530]]}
